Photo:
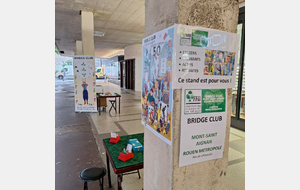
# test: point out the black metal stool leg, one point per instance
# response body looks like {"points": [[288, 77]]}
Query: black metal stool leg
{"points": [[85, 186], [113, 106], [101, 183], [139, 174], [110, 109]]}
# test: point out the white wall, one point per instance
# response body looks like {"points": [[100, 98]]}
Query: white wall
{"points": [[138, 73], [135, 52]]}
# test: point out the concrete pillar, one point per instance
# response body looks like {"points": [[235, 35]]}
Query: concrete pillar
{"points": [[87, 32], [78, 47], [161, 169], [135, 51]]}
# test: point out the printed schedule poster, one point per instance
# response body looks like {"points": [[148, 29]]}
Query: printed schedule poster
{"points": [[84, 83], [203, 125], [157, 92]]}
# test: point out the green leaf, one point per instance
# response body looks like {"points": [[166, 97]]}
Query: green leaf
{"points": [[56, 51]]}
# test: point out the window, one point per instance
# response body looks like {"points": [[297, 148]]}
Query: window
{"points": [[234, 90], [243, 95], [238, 113]]}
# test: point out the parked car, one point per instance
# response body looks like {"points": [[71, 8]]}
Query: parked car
{"points": [[60, 74], [99, 73], [69, 72]]}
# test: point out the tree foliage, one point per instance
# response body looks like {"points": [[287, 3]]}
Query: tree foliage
{"points": [[69, 62]]}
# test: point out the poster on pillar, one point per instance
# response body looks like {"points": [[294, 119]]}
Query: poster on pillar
{"points": [[204, 58], [84, 83], [203, 125], [157, 92]]}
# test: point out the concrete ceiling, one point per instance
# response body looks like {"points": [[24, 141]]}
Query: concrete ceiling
{"points": [[123, 22]]}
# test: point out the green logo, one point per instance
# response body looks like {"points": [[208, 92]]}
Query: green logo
{"points": [[190, 96], [199, 38]]}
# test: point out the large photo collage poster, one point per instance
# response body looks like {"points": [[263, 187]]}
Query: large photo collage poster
{"points": [[157, 93], [84, 83]]}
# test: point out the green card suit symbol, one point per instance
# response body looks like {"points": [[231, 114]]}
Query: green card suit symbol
{"points": [[83, 74], [190, 96], [83, 69], [83, 64], [183, 32]]}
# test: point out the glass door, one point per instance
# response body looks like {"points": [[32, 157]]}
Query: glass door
{"points": [[238, 113]]}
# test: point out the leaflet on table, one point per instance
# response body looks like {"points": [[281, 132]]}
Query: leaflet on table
{"points": [[203, 125], [84, 83], [204, 58]]}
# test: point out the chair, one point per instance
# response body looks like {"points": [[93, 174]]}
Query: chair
{"points": [[113, 103], [92, 174]]}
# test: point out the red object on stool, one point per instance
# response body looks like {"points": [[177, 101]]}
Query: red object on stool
{"points": [[125, 157], [114, 140]]}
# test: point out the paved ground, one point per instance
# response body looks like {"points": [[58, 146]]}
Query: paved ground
{"points": [[75, 145]]}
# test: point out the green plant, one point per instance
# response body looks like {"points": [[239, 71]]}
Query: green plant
{"points": [[56, 51]]}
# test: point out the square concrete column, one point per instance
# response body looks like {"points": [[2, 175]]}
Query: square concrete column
{"points": [[78, 47], [161, 161], [87, 32]]}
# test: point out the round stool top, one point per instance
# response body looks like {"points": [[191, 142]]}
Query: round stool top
{"points": [[92, 173]]}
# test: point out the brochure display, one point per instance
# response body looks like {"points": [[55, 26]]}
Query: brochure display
{"points": [[84, 83]]}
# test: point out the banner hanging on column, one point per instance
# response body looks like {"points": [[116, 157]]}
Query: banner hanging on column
{"points": [[203, 125], [84, 83]]}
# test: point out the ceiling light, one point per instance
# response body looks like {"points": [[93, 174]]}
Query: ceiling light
{"points": [[97, 33]]}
